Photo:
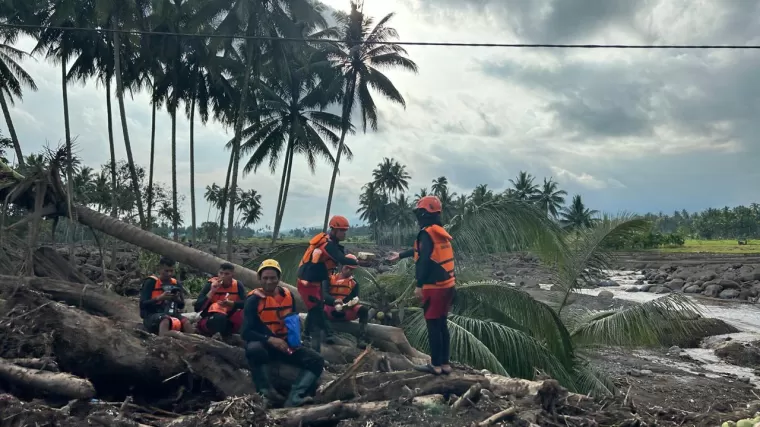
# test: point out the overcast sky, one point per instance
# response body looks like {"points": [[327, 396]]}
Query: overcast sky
{"points": [[629, 130]]}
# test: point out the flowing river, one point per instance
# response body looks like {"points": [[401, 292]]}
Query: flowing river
{"points": [[744, 317]]}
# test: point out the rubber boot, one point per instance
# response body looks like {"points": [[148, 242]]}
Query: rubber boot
{"points": [[361, 337], [260, 377], [299, 392]]}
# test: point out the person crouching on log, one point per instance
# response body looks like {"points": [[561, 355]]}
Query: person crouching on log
{"points": [[319, 261], [434, 272], [341, 296], [221, 303], [272, 331], [162, 301]]}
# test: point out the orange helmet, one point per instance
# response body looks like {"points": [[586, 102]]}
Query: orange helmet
{"points": [[431, 204], [352, 256], [339, 223]]}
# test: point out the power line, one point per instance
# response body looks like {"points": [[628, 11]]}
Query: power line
{"points": [[401, 43]]}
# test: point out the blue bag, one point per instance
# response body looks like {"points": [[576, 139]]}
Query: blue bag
{"points": [[293, 323]]}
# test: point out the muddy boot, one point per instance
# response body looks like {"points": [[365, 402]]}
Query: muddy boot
{"points": [[260, 377], [361, 337], [299, 392]]}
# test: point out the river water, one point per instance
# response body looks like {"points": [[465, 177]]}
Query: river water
{"points": [[745, 317]]}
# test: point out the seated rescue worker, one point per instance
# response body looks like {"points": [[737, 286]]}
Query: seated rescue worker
{"points": [[341, 296], [221, 303], [162, 301], [272, 331], [320, 261]]}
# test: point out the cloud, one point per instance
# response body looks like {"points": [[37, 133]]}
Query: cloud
{"points": [[634, 130]]}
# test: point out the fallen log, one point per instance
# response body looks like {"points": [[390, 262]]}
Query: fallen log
{"points": [[91, 298], [469, 397], [42, 363], [336, 411], [49, 263], [388, 386], [60, 384]]}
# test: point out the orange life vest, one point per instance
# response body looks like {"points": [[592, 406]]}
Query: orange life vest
{"points": [[341, 287], [274, 309], [316, 253], [158, 288], [442, 256], [224, 294]]}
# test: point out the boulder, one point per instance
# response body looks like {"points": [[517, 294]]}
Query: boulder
{"points": [[607, 283], [632, 289], [606, 294], [675, 284], [729, 284], [660, 290], [729, 294], [692, 289], [646, 288]]}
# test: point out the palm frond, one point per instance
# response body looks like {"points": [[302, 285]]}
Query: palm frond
{"points": [[649, 324], [591, 381]]}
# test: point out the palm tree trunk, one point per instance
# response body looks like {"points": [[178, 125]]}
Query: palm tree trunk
{"points": [[287, 189], [124, 129], [67, 130], [112, 149], [152, 158], [12, 131], [174, 171], [349, 96], [192, 164], [242, 108], [223, 204], [285, 173]]}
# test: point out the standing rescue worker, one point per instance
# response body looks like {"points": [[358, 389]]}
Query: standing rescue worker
{"points": [[341, 297], [221, 303], [434, 272], [272, 331], [162, 301], [320, 260]]}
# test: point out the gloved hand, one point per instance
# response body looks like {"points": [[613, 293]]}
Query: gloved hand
{"points": [[353, 302]]}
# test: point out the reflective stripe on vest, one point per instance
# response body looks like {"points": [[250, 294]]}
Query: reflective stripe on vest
{"points": [[274, 309], [158, 287], [443, 255], [224, 294], [341, 287]]}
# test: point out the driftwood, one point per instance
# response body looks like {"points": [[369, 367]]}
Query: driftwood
{"points": [[43, 363], [345, 384], [60, 384], [495, 418], [469, 397], [388, 386], [336, 411]]}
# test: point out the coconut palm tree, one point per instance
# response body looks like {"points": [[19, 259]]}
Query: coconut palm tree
{"points": [[481, 195], [13, 78], [550, 198], [577, 216], [360, 61], [391, 176], [372, 206], [524, 187], [250, 208], [420, 194]]}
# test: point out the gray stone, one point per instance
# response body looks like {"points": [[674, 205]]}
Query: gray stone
{"points": [[606, 294], [729, 294], [693, 289], [712, 290]]}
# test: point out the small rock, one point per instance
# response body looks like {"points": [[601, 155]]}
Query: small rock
{"points": [[606, 294], [729, 294], [634, 373], [674, 350], [632, 289], [745, 380], [646, 373]]}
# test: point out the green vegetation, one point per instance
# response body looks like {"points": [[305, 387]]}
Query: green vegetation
{"points": [[716, 247]]}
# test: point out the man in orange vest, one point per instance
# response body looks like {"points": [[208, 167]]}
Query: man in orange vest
{"points": [[341, 296], [162, 300], [320, 260], [434, 271], [220, 304], [272, 331]]}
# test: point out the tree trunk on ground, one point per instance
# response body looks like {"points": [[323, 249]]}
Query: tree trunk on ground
{"points": [[346, 115], [192, 165], [61, 384], [112, 149], [125, 130], [12, 131], [152, 158], [49, 263]]}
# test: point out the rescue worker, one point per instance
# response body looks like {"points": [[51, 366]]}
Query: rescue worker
{"points": [[341, 297], [272, 331], [434, 272], [162, 301], [221, 303], [317, 264]]}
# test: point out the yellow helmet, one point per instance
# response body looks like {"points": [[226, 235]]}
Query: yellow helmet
{"points": [[270, 263]]}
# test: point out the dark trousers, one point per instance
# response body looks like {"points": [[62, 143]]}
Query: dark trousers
{"points": [[440, 341], [259, 353], [316, 320]]}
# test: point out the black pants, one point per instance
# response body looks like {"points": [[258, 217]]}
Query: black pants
{"points": [[440, 341], [151, 322], [259, 353], [316, 320]]}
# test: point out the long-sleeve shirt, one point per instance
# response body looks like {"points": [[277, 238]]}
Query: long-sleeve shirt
{"points": [[422, 265], [318, 272], [338, 253], [203, 302], [253, 328], [149, 306], [330, 300]]}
